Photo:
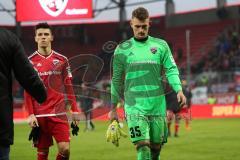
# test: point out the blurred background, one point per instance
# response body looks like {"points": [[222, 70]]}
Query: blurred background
{"points": [[203, 36]]}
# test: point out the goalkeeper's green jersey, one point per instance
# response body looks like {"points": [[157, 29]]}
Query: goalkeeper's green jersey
{"points": [[137, 76]]}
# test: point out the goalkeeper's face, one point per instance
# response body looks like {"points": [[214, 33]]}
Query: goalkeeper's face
{"points": [[43, 37], [140, 27]]}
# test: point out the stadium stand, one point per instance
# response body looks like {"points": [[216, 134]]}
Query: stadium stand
{"points": [[208, 40]]}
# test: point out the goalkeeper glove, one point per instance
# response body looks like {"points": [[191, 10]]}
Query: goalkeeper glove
{"points": [[114, 132], [34, 135], [75, 129]]}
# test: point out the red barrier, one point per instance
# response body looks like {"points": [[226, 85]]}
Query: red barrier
{"points": [[216, 111], [197, 112]]}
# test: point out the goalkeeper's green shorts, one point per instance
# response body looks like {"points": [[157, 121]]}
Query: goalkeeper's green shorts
{"points": [[146, 127]]}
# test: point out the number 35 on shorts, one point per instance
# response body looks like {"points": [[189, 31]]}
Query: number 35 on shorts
{"points": [[135, 132]]}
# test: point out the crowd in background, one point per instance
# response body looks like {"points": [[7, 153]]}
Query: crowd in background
{"points": [[224, 55]]}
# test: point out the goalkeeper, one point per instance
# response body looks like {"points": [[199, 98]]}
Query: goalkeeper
{"points": [[140, 60]]}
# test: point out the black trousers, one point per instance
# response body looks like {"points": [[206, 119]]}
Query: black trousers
{"points": [[4, 152]]}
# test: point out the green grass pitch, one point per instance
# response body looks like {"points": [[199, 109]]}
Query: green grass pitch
{"points": [[215, 139]]}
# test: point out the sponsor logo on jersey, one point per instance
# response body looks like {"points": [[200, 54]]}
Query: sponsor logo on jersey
{"points": [[153, 50], [53, 7], [48, 73], [143, 62]]}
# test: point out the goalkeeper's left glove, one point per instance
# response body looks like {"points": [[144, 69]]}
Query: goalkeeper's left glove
{"points": [[75, 129], [114, 132]]}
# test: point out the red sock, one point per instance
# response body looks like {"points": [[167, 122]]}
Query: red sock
{"points": [[187, 123], [169, 128], [42, 155], [176, 128], [62, 157]]}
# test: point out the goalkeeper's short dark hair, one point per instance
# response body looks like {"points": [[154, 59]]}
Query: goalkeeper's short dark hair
{"points": [[140, 13]]}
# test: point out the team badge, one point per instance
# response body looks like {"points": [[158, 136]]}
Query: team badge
{"points": [[55, 61], [53, 7], [153, 50]]}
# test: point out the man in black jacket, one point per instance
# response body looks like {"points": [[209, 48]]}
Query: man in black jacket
{"points": [[13, 58]]}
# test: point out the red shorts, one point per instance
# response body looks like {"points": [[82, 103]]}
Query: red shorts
{"points": [[52, 127]]}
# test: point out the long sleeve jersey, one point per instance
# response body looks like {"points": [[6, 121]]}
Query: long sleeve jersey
{"points": [[137, 78], [55, 73], [13, 59]]}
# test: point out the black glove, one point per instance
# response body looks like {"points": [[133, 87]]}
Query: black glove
{"points": [[34, 134], [75, 129]]}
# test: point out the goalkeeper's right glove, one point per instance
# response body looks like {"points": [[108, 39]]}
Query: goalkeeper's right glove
{"points": [[114, 132]]}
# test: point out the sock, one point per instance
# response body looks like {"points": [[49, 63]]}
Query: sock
{"points": [[186, 123], [41, 155], [169, 129], [62, 157], [155, 154], [176, 128], [144, 153]]}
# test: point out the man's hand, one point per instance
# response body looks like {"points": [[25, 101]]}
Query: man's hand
{"points": [[112, 115], [75, 118], [181, 99], [114, 132], [32, 121]]}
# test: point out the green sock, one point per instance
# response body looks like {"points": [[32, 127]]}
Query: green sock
{"points": [[144, 153], [155, 154], [156, 158]]}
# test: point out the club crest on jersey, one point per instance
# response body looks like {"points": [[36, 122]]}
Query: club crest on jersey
{"points": [[55, 61], [53, 7], [153, 50]]}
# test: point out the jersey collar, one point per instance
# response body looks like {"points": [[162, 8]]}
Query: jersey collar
{"points": [[141, 42], [45, 56]]}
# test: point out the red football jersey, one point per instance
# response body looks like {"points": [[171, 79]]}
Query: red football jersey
{"points": [[54, 70]]}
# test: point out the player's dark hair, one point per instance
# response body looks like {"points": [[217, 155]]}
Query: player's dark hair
{"points": [[44, 25], [140, 13]]}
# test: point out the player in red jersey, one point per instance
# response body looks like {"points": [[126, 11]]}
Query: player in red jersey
{"points": [[175, 112], [50, 116], [185, 112]]}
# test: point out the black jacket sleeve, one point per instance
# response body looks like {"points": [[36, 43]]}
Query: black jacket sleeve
{"points": [[25, 73]]}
